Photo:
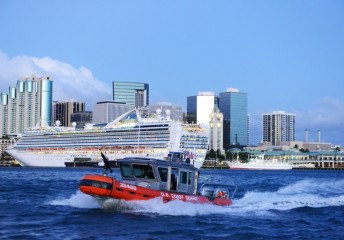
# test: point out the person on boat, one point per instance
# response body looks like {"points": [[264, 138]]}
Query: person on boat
{"points": [[221, 194]]}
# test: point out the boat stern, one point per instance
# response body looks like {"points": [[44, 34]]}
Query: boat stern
{"points": [[218, 194]]}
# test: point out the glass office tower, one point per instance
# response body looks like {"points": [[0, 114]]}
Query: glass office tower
{"points": [[46, 95], [133, 94], [233, 105], [191, 109]]}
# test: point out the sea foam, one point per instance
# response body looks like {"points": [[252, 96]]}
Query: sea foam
{"points": [[78, 200], [304, 193]]}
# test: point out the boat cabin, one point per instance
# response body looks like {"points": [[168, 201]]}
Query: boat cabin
{"points": [[159, 174]]}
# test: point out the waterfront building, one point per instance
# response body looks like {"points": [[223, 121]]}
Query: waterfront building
{"points": [[175, 112], [233, 105], [134, 94], [27, 104], [62, 111], [81, 118], [216, 130], [329, 159], [107, 111], [278, 127], [200, 107], [5, 158]]}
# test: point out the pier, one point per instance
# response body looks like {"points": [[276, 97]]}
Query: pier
{"points": [[327, 160]]}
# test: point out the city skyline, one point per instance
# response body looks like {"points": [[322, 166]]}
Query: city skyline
{"points": [[285, 55]]}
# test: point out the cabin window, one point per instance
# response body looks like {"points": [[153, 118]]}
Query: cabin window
{"points": [[163, 174], [183, 177], [189, 178], [126, 171], [143, 171], [174, 178]]}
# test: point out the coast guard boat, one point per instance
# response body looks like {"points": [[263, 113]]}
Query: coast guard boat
{"points": [[148, 178]]}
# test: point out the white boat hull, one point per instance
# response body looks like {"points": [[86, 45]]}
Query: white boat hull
{"points": [[259, 166]]}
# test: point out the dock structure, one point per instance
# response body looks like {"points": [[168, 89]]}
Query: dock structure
{"points": [[316, 160], [215, 164], [322, 160]]}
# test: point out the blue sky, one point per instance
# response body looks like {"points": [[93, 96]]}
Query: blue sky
{"points": [[287, 55]]}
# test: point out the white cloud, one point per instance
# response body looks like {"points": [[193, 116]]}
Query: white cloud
{"points": [[69, 82], [326, 115], [327, 112]]}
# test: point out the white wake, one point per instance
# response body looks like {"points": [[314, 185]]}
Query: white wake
{"points": [[306, 193], [78, 200]]}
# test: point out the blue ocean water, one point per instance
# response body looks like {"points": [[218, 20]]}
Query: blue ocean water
{"points": [[45, 203]]}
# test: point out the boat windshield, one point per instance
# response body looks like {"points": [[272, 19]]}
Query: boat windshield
{"points": [[137, 171], [126, 170], [143, 171]]}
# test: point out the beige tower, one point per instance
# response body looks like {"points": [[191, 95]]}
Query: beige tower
{"points": [[216, 130]]}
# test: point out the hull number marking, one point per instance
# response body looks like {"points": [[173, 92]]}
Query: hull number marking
{"points": [[128, 186]]}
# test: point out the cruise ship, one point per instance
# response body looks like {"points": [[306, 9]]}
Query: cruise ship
{"points": [[131, 135]]}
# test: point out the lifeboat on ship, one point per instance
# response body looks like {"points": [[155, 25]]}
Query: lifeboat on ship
{"points": [[146, 178]]}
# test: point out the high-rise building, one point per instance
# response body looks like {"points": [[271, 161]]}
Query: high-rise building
{"points": [[248, 129], [81, 118], [134, 94], [278, 127], [233, 105], [107, 111], [216, 130], [175, 112], [62, 111], [200, 107], [27, 104]]}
